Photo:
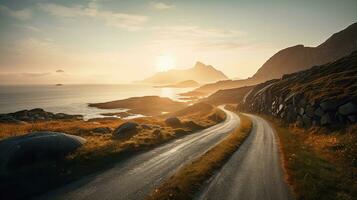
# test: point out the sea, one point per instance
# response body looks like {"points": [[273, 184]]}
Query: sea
{"points": [[74, 99]]}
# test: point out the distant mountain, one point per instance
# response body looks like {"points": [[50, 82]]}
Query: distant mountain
{"points": [[182, 84], [295, 59], [200, 73]]}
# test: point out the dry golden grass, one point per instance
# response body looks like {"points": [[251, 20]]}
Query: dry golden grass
{"points": [[321, 163], [190, 178], [75, 127], [101, 149]]}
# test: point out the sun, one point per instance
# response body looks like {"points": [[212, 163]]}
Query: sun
{"points": [[165, 62]]}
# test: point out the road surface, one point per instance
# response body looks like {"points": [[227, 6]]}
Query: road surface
{"points": [[136, 177], [254, 172]]}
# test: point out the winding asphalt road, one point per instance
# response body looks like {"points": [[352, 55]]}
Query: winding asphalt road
{"points": [[136, 177], [254, 172]]}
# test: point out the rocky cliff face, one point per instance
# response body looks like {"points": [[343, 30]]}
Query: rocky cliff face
{"points": [[324, 95]]}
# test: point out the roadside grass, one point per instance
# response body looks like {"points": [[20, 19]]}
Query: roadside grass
{"points": [[189, 179], [320, 163], [100, 152]]}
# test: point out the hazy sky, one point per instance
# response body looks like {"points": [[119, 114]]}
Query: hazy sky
{"points": [[116, 41]]}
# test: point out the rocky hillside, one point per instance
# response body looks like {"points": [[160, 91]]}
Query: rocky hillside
{"points": [[296, 58], [324, 95], [229, 96], [200, 73], [299, 57]]}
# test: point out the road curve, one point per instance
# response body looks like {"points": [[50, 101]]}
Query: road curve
{"points": [[254, 172], [136, 177]]}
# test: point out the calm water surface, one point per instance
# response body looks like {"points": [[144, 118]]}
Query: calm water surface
{"points": [[73, 99]]}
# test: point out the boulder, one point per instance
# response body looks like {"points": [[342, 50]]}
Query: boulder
{"points": [[326, 119], [319, 112], [348, 108], [329, 105], [126, 128], [181, 131], [193, 125], [299, 121], [352, 119], [102, 130], [309, 111], [307, 121], [156, 132], [173, 122], [301, 111], [146, 126], [36, 147], [302, 102]]}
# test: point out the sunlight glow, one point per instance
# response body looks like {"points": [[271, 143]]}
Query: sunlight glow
{"points": [[165, 62]]}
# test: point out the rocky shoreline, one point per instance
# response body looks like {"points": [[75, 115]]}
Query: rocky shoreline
{"points": [[37, 114]]}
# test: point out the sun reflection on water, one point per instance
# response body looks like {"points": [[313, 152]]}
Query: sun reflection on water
{"points": [[168, 92]]}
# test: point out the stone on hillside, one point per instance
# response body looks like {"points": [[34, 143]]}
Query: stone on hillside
{"points": [[326, 119], [193, 125], [280, 109], [173, 122], [301, 111], [125, 129], [146, 126], [307, 121], [348, 108], [36, 147], [352, 119], [302, 102], [329, 105], [299, 121], [102, 130], [309, 111], [319, 112]]}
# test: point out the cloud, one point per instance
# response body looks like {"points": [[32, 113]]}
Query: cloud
{"points": [[34, 74], [59, 71], [161, 6], [196, 37], [125, 21], [18, 14]]}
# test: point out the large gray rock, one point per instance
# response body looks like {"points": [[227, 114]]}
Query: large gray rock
{"points": [[102, 130], [329, 105], [193, 125], [326, 119], [348, 108], [173, 122], [319, 112], [36, 147], [126, 128], [309, 111], [307, 121], [352, 119]]}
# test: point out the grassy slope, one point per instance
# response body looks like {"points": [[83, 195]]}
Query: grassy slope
{"points": [[190, 178], [100, 151], [321, 164]]}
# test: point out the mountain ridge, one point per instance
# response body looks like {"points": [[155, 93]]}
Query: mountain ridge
{"points": [[295, 58], [200, 73]]}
